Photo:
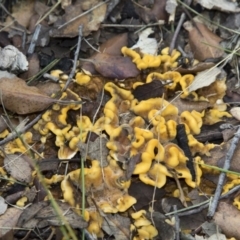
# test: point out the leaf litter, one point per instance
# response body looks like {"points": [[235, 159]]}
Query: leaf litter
{"points": [[130, 151]]}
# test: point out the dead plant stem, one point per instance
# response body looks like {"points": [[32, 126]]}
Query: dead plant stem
{"points": [[132, 25], [80, 30], [199, 207], [222, 176], [50, 10], [177, 222], [15, 134], [175, 35]]}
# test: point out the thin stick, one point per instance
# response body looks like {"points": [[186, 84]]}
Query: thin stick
{"points": [[105, 25], [89, 44], [76, 54], [229, 156], [199, 207], [175, 35], [177, 222], [7, 12], [15, 28], [34, 39], [14, 134], [83, 14], [50, 10]]}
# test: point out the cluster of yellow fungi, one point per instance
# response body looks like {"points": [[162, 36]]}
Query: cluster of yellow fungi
{"points": [[150, 132]]}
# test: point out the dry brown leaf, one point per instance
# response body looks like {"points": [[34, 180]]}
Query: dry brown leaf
{"points": [[218, 155], [204, 44], [9, 220], [186, 105], [146, 91], [117, 226], [145, 195], [227, 218], [157, 12], [18, 167], [42, 214], [3, 205], [118, 67], [91, 21], [165, 230], [112, 46], [22, 12], [196, 68], [97, 150], [18, 97]]}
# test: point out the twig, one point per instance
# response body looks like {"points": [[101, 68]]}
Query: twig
{"points": [[90, 45], [15, 28], [132, 25], [177, 222], [199, 207], [34, 39], [175, 35], [83, 14], [76, 54], [14, 134], [7, 12], [229, 156], [137, 4], [50, 10], [50, 77]]}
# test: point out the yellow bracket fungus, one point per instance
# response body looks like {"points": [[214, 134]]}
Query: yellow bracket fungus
{"points": [[165, 131], [147, 61], [4, 133], [174, 155], [142, 136], [171, 75], [17, 145], [198, 147], [22, 201], [59, 74], [165, 109], [67, 189], [144, 227], [156, 176], [54, 179], [214, 115], [82, 79], [185, 82], [192, 120], [153, 151], [95, 224], [125, 202]]}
